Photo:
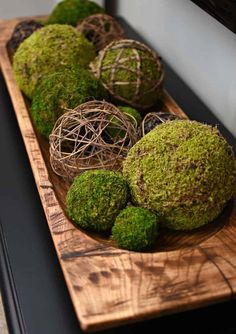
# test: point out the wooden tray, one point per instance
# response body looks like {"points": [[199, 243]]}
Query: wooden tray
{"points": [[110, 286]]}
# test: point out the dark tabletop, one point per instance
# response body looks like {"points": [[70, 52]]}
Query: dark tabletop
{"points": [[34, 292]]}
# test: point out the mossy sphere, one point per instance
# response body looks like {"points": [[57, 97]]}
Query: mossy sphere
{"points": [[63, 90], [131, 72], [95, 199], [135, 229], [132, 113], [22, 31], [184, 170], [73, 11], [47, 50]]}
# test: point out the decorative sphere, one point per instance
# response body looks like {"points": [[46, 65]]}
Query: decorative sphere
{"points": [[81, 139], [95, 198], [22, 30], [183, 170], [152, 119], [135, 229], [73, 11], [100, 29], [60, 91], [131, 72], [46, 51]]}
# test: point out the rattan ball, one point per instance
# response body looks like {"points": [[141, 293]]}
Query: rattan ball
{"points": [[131, 72], [100, 29], [81, 139], [153, 119]]}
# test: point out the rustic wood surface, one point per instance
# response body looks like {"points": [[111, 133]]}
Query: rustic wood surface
{"points": [[110, 286]]}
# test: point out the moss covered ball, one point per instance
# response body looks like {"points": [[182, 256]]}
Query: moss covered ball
{"points": [[132, 113], [46, 51], [73, 11], [96, 198], [184, 170], [62, 90], [131, 72], [135, 229]]}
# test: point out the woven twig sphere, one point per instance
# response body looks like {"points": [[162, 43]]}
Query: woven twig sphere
{"points": [[153, 119], [131, 72], [100, 29], [94, 135]]}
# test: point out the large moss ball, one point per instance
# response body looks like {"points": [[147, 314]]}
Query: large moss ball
{"points": [[135, 229], [48, 50], [73, 11], [95, 199], [131, 72], [61, 91], [184, 170]]}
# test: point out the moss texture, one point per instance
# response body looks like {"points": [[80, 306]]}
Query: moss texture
{"points": [[132, 113], [96, 198], [63, 89], [73, 11], [184, 170], [135, 229], [48, 50], [125, 76]]}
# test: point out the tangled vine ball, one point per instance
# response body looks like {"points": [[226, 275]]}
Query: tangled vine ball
{"points": [[153, 119], [94, 135], [131, 72], [100, 29]]}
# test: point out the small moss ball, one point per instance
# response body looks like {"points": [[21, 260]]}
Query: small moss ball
{"points": [[95, 199], [21, 31], [132, 113], [131, 72], [46, 51], [73, 11], [184, 170], [62, 90], [135, 229]]}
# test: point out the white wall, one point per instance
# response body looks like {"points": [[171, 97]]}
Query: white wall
{"points": [[19, 8], [196, 46]]}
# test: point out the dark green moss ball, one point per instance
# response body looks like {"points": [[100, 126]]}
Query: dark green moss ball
{"points": [[135, 229], [73, 11], [184, 170], [63, 89], [95, 199], [48, 50]]}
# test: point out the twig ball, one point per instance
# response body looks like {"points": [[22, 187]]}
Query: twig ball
{"points": [[153, 119], [100, 29], [131, 72], [81, 139], [21, 31]]}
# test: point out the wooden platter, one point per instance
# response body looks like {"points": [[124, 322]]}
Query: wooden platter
{"points": [[109, 286]]}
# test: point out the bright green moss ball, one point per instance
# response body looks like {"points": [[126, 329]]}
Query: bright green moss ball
{"points": [[95, 199], [47, 50], [63, 89], [73, 11], [184, 170], [135, 229], [132, 113]]}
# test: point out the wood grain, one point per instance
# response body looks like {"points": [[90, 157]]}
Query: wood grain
{"points": [[109, 286]]}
